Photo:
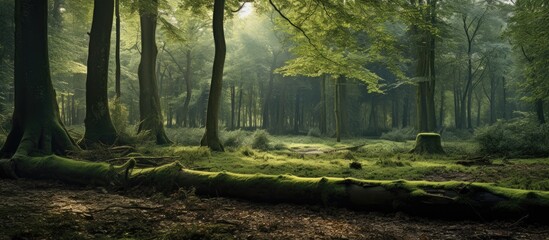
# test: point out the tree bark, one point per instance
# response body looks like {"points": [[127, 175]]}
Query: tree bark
{"points": [[268, 99], [99, 127], [337, 113], [425, 73], [211, 138], [117, 48], [36, 124], [539, 111], [238, 121], [323, 109], [504, 98], [188, 86], [149, 100]]}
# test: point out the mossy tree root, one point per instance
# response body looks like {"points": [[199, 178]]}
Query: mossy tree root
{"points": [[441, 199]]}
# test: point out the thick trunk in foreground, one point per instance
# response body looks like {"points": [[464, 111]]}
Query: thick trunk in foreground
{"points": [[481, 201], [211, 138], [36, 124], [149, 101], [99, 127]]}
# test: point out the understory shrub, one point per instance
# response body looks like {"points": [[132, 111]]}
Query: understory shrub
{"points": [[235, 139], [314, 132], [185, 136], [261, 140], [399, 134], [522, 137], [119, 116], [454, 134]]}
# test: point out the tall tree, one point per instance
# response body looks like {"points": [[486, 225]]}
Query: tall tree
{"points": [[149, 100], [117, 48], [36, 124], [211, 138], [470, 27], [529, 35], [99, 127], [425, 66]]}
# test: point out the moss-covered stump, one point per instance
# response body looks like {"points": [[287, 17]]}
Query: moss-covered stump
{"points": [[442, 199], [428, 143]]}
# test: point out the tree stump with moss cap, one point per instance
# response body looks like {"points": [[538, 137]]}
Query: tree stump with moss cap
{"points": [[428, 143]]}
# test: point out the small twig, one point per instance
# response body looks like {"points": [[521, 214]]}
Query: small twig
{"points": [[125, 207], [519, 221]]}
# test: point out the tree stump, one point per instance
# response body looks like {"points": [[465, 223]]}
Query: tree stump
{"points": [[428, 143]]}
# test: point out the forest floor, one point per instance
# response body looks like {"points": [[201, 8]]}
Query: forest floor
{"points": [[32, 209]]}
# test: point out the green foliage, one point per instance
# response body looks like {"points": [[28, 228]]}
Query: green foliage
{"points": [[454, 134], [119, 115], [391, 163], [529, 33], [314, 132], [521, 137], [261, 140], [235, 139], [400, 135], [185, 136], [345, 47], [355, 165]]}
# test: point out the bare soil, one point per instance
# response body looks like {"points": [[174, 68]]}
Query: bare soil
{"points": [[32, 209]]}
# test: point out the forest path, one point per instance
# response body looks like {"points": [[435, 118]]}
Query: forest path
{"points": [[47, 210]]}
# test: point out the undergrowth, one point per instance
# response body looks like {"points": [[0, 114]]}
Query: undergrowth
{"points": [[522, 137]]}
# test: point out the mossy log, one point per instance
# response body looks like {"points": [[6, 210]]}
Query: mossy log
{"points": [[428, 143], [441, 199]]}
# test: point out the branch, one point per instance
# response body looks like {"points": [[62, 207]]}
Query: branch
{"points": [[240, 8], [525, 55], [291, 23]]}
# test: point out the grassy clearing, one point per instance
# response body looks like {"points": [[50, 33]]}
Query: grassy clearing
{"points": [[308, 156], [380, 159]]}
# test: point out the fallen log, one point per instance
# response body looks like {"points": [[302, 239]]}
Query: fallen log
{"points": [[451, 200]]}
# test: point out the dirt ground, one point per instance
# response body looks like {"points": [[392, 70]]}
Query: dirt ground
{"points": [[47, 210]]}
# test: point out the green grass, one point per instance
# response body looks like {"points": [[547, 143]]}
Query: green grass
{"points": [[380, 160]]}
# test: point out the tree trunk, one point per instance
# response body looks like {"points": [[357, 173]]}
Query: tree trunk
{"points": [[268, 99], [470, 109], [233, 104], [149, 100], [343, 107], [406, 111], [337, 114], [211, 138], [504, 98], [449, 200], [428, 143], [493, 87], [425, 71], [539, 111], [238, 122], [479, 105], [188, 86], [117, 48], [296, 111], [441, 109], [395, 109], [36, 124], [323, 109], [99, 127]]}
